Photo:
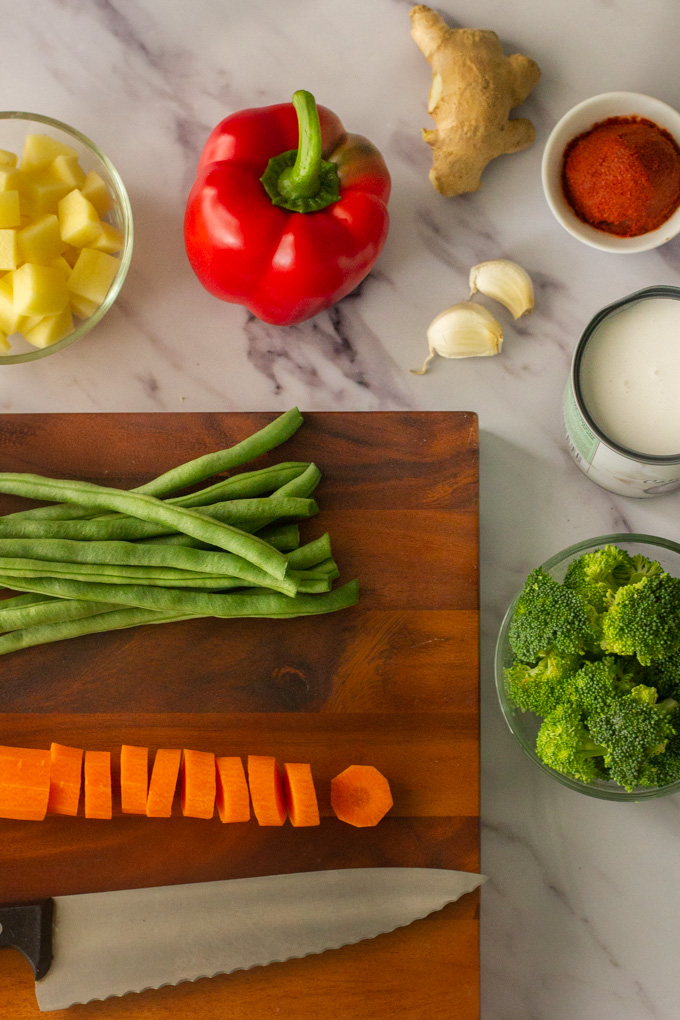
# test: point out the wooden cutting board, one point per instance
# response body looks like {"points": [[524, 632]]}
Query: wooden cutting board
{"points": [[392, 682]]}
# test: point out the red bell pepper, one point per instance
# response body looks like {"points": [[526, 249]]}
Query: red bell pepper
{"points": [[288, 212]]}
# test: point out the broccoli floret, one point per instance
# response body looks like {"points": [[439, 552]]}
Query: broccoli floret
{"points": [[664, 674], [644, 619], [564, 743], [663, 769], [633, 731], [596, 576], [542, 687], [597, 684], [639, 567], [550, 618]]}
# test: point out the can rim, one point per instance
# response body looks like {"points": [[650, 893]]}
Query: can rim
{"points": [[658, 290]]}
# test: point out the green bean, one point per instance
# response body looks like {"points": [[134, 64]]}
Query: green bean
{"points": [[194, 603], [117, 619], [188, 521], [308, 555], [50, 610], [285, 537], [17, 601], [245, 485]]}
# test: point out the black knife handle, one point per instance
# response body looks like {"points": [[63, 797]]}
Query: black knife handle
{"points": [[28, 928]]}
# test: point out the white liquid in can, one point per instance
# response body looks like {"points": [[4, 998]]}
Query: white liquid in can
{"points": [[630, 377]]}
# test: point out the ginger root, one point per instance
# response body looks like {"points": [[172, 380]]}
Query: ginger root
{"points": [[474, 87]]}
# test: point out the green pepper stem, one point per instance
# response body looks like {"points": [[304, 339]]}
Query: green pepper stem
{"points": [[302, 179]]}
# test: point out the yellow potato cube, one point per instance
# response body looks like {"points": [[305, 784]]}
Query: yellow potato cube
{"points": [[10, 215], [61, 263], [7, 158], [78, 219], [41, 150], [82, 306], [10, 320], [43, 193], [92, 275], [9, 249], [40, 241], [68, 170], [110, 240], [50, 329], [12, 179], [39, 290], [94, 189]]}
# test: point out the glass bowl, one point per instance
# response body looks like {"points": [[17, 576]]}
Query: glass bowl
{"points": [[525, 725], [14, 126]]}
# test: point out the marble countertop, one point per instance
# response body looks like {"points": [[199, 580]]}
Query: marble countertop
{"points": [[579, 918]]}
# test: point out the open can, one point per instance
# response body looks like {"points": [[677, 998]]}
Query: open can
{"points": [[605, 461]]}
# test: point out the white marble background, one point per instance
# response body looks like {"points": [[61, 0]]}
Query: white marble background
{"points": [[582, 912]]}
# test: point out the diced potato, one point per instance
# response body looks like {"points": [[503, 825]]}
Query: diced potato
{"points": [[7, 158], [10, 216], [50, 329], [40, 242], [110, 240], [9, 249], [43, 193], [78, 219], [12, 179], [68, 170], [92, 275], [10, 320], [61, 263], [94, 189], [82, 306], [39, 290], [41, 150]]}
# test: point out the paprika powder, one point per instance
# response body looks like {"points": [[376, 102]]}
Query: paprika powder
{"points": [[622, 176], [288, 212]]}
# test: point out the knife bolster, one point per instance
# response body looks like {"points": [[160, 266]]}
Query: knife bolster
{"points": [[28, 928]]}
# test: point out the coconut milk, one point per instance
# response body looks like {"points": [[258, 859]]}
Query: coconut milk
{"points": [[622, 405]]}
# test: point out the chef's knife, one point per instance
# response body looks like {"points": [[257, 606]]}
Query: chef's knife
{"points": [[95, 945]]}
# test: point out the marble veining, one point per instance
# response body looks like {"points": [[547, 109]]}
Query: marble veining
{"points": [[580, 916]]}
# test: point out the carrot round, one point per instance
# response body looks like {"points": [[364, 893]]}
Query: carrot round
{"points": [[163, 783], [66, 776], [266, 790], [360, 795], [303, 807], [199, 784], [24, 783], [233, 800], [98, 802], [134, 779]]}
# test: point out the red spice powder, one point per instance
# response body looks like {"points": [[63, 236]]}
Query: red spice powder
{"points": [[622, 176]]}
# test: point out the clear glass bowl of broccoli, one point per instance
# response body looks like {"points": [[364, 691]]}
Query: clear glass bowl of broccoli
{"points": [[588, 667]]}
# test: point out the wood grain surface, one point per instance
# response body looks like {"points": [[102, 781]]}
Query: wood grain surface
{"points": [[392, 682]]}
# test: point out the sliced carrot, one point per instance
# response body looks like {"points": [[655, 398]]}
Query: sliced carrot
{"points": [[303, 807], [266, 790], [163, 783], [134, 779], [199, 784], [98, 802], [66, 777], [360, 795], [233, 800], [24, 783]]}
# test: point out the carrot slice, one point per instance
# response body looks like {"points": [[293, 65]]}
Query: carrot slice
{"points": [[360, 795], [303, 807], [134, 779], [163, 783], [98, 802], [199, 784], [65, 779], [24, 783], [266, 790], [233, 800]]}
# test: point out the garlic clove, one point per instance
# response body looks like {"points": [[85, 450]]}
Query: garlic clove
{"points": [[506, 282], [465, 330]]}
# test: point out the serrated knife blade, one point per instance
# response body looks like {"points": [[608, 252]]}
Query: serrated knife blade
{"points": [[111, 943]]}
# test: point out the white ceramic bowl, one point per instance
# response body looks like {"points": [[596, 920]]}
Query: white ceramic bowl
{"points": [[575, 122]]}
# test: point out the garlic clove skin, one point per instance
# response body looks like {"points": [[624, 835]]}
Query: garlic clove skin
{"points": [[506, 282], [465, 330]]}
